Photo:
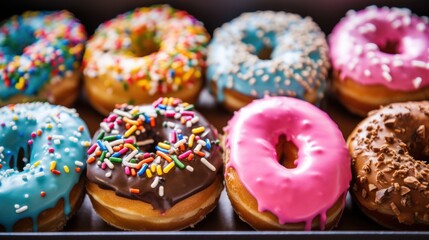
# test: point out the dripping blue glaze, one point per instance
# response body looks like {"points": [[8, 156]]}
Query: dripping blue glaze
{"points": [[248, 35], [19, 41], [16, 184]]}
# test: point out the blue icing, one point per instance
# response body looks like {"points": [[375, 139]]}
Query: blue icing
{"points": [[21, 183], [298, 64], [34, 48]]}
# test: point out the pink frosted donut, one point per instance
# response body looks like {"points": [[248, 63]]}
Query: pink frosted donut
{"points": [[379, 56], [296, 183]]}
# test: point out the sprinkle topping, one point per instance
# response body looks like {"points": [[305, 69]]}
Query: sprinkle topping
{"points": [[142, 155]]}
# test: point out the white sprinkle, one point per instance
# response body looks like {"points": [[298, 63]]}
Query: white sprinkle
{"points": [[131, 155], [197, 148], [145, 142], [387, 76], [189, 168], [203, 143], [177, 115], [417, 81], [109, 163], [108, 174], [358, 50], [109, 148], [205, 133], [22, 209], [115, 132], [421, 27], [116, 142], [385, 68], [406, 20], [265, 78], [396, 24], [350, 12], [208, 164], [26, 195], [171, 124], [73, 139], [161, 191], [39, 174], [14, 128], [78, 163], [188, 124], [371, 46], [367, 73], [123, 113], [398, 63], [57, 136], [1, 149], [155, 182], [180, 142], [195, 119], [417, 63], [157, 160], [57, 141], [105, 127]]}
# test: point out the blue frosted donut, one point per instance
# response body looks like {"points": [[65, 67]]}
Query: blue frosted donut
{"points": [[297, 66], [40, 54], [42, 154]]}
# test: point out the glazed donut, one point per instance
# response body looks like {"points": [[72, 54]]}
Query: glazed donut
{"points": [[155, 167], [40, 54], [241, 68], [280, 171], [389, 165], [144, 54], [42, 155], [380, 56]]}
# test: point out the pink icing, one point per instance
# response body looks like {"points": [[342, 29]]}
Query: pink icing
{"points": [[323, 170], [357, 41]]}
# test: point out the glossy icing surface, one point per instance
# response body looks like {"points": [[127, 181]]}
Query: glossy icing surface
{"points": [[298, 63], [38, 47], [42, 152], [386, 46], [158, 154], [158, 49], [322, 172]]}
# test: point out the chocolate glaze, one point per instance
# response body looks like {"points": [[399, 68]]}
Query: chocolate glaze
{"points": [[178, 183], [390, 155]]}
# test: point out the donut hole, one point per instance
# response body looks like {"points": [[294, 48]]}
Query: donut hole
{"points": [[390, 47], [287, 152], [265, 53], [144, 44], [16, 42], [20, 161], [260, 47]]}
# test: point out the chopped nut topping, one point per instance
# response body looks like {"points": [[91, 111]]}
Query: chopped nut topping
{"points": [[404, 190], [412, 182], [371, 187]]}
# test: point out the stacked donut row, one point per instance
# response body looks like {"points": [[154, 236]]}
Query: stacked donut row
{"points": [[156, 163]]}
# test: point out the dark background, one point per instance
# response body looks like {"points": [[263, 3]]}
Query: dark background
{"points": [[211, 12]]}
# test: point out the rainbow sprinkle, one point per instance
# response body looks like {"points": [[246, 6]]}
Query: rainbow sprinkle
{"points": [[124, 150]]}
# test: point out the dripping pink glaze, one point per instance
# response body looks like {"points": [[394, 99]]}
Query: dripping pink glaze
{"points": [[323, 170], [371, 28]]}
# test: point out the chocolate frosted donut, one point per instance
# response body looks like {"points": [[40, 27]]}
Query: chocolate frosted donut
{"points": [[160, 163], [389, 152]]}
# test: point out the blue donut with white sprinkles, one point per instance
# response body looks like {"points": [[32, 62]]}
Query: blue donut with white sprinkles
{"points": [[42, 158], [267, 53], [40, 55]]}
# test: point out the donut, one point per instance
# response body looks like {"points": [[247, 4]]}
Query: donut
{"points": [[379, 56], [286, 165], [267, 53], [389, 153], [40, 54], [155, 167], [42, 157], [145, 54]]}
